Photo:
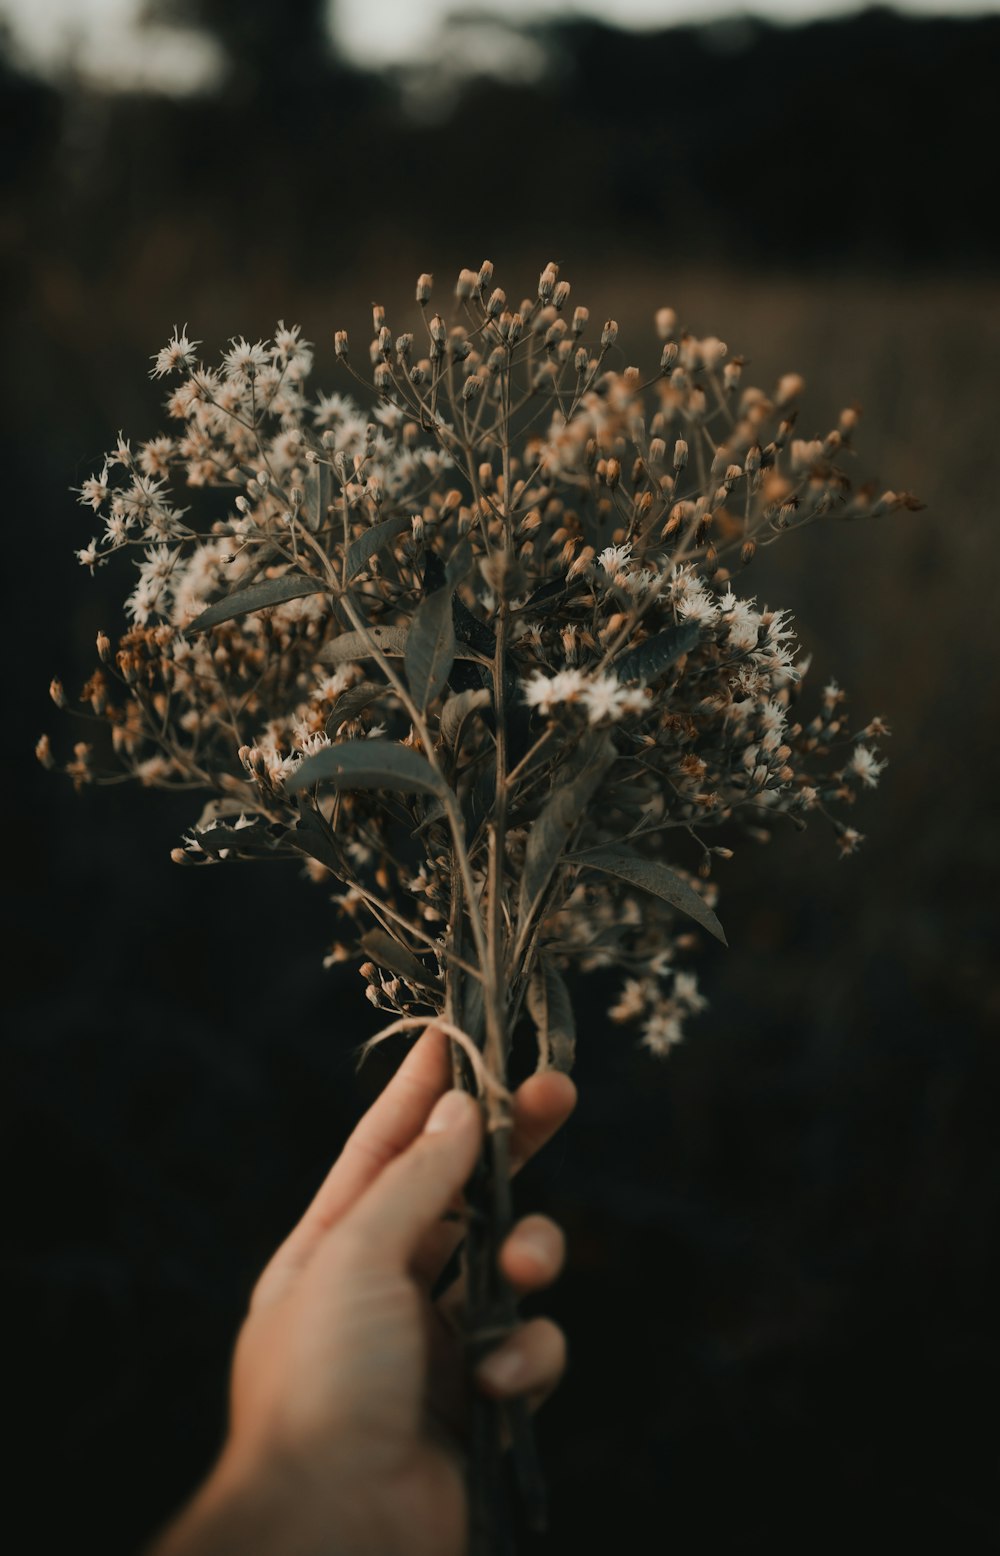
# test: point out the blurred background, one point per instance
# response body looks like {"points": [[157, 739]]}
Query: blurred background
{"points": [[782, 1291]]}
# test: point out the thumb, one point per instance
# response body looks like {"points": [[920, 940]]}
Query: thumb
{"points": [[411, 1194]]}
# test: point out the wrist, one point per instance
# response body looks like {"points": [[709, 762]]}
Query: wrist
{"points": [[261, 1507]]}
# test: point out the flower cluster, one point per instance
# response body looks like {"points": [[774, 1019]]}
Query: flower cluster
{"points": [[483, 655]]}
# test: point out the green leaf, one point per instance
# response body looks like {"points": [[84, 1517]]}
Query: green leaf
{"points": [[353, 702], [387, 952], [312, 836], [457, 709], [270, 591], [318, 492], [556, 822], [364, 548], [551, 1009], [652, 876], [367, 764], [430, 647], [651, 658], [357, 645], [459, 563]]}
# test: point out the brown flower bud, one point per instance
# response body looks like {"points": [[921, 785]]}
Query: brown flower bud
{"points": [[56, 692], [425, 284]]}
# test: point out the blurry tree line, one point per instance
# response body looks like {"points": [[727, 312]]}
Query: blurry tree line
{"points": [[841, 142]]}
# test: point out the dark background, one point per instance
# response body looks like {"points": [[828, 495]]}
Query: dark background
{"points": [[781, 1296]]}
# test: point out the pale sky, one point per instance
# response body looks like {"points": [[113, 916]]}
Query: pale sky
{"points": [[102, 39]]}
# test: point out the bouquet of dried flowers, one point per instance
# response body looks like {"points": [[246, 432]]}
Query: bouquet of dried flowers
{"points": [[479, 659]]}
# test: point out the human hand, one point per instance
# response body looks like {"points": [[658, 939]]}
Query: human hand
{"points": [[349, 1387]]}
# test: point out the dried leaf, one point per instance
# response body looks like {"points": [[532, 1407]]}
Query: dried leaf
{"points": [[457, 709], [651, 658], [551, 1009], [430, 648], [364, 548], [653, 877], [270, 591], [553, 827], [388, 952], [367, 764]]}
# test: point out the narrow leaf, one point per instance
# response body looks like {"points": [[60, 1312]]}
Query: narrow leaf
{"points": [[364, 548], [457, 709], [651, 658], [353, 702], [551, 1009], [459, 563], [430, 648], [652, 876], [357, 645], [555, 823], [270, 591], [367, 764], [318, 492], [387, 952], [312, 836]]}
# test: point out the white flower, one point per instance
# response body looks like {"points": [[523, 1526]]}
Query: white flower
{"points": [[178, 352], [686, 992], [865, 765], [243, 361], [662, 1031], [744, 622], [89, 556], [603, 697], [543, 692], [94, 490], [613, 558]]}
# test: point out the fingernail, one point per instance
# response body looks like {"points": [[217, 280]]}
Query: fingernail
{"points": [[501, 1369], [450, 1111]]}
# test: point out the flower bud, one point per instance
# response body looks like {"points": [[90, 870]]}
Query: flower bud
{"points": [[666, 323], [580, 318], [56, 692], [466, 284], [378, 318], [609, 334], [560, 296], [340, 343], [668, 356], [104, 648], [581, 361], [747, 551], [424, 286], [43, 751], [680, 454], [547, 282], [485, 275]]}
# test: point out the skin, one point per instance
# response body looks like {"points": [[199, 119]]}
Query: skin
{"points": [[349, 1405]]}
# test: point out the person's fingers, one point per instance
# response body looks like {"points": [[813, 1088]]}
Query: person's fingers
{"points": [[541, 1106], [387, 1225], [531, 1256], [393, 1121], [530, 1361]]}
